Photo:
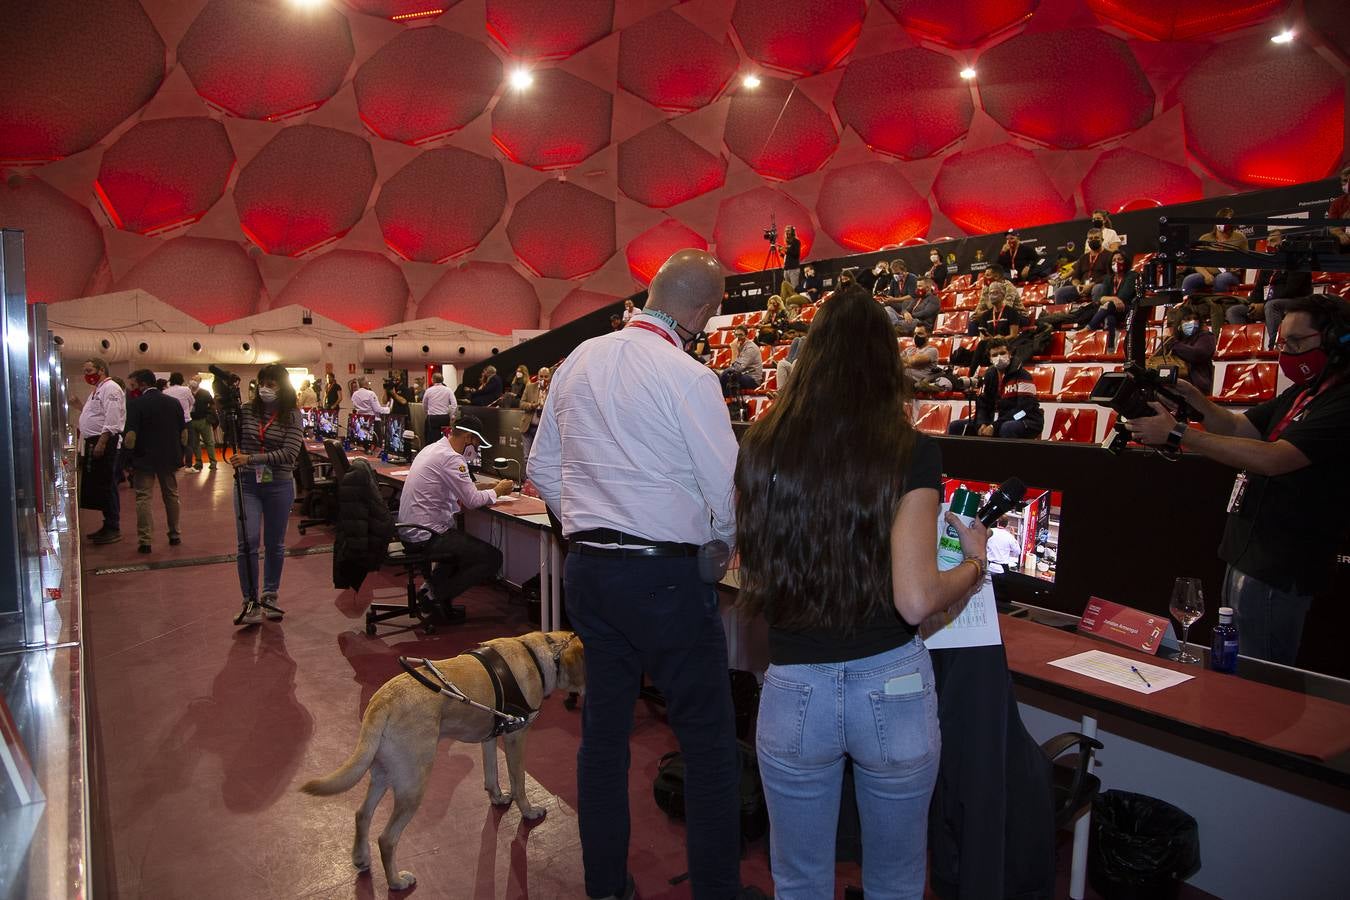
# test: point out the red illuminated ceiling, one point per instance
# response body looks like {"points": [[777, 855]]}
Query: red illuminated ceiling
{"points": [[558, 122], [1180, 20], [800, 37], [672, 63], [559, 230], [937, 106], [211, 280], [410, 11], [548, 29], [164, 172], [649, 250], [441, 205], [1122, 176], [778, 131], [870, 205], [63, 247], [959, 23], [361, 290], [998, 188], [492, 296], [576, 304], [660, 167], [742, 220]]}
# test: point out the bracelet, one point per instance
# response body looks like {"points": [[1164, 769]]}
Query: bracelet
{"points": [[981, 566]]}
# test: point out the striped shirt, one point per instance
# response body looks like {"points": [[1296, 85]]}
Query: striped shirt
{"points": [[280, 444]]}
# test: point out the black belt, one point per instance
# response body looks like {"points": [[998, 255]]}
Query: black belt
{"points": [[645, 546]]}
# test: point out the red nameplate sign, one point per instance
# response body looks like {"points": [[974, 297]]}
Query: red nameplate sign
{"points": [[1123, 625]]}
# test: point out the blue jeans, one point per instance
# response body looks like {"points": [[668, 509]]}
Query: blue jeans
{"points": [[1224, 282], [654, 615], [882, 712], [267, 508], [1269, 620]]}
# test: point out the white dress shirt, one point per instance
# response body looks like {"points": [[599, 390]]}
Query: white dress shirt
{"points": [[365, 403], [105, 410], [1002, 550], [635, 436], [439, 400], [438, 487], [183, 394]]}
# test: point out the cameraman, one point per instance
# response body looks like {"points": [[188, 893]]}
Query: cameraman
{"points": [[792, 256], [226, 390], [1285, 516]]}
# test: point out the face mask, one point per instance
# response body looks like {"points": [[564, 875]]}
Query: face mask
{"points": [[1098, 223], [1188, 328], [134, 393], [1120, 265], [1224, 229], [920, 340], [1302, 368], [267, 394], [1095, 245], [934, 258], [1001, 361], [91, 378]]}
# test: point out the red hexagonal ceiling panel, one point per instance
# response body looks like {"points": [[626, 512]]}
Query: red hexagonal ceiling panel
{"points": [[649, 251], [546, 29], [441, 205], [577, 304], [72, 70], [1328, 18], [960, 23], [742, 219], [63, 245], [164, 172], [211, 280], [672, 63], [486, 295], [359, 289], [909, 103], [1033, 85], [1264, 114], [559, 230], [556, 122], [1180, 20], [778, 131], [426, 83], [411, 11], [307, 186], [870, 205], [997, 188], [266, 60], [661, 167], [802, 37], [1121, 176]]}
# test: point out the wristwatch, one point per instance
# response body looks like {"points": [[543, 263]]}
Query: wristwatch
{"points": [[1176, 434]]}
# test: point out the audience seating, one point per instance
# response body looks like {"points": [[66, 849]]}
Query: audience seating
{"points": [[757, 406], [1247, 383], [944, 347], [770, 382], [1044, 376], [1055, 352], [1087, 346], [721, 358], [780, 352], [933, 417], [959, 282], [722, 337], [1243, 342], [952, 323], [1035, 293], [1077, 426], [966, 300], [808, 313], [1078, 383], [747, 319]]}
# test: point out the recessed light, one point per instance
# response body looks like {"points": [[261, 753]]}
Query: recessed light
{"points": [[307, 4], [1284, 37], [521, 79], [750, 81], [968, 73]]}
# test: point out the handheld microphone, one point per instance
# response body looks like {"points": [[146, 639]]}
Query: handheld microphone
{"points": [[1006, 497]]}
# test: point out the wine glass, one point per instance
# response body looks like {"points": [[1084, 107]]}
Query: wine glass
{"points": [[1188, 605]]}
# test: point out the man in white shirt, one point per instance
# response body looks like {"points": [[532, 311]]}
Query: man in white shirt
{"points": [[1003, 549], [635, 455], [180, 392], [102, 418], [364, 401], [438, 403], [438, 487]]}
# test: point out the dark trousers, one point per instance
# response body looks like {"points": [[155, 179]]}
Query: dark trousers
{"points": [[431, 429], [655, 616], [98, 485], [1008, 428], [467, 562]]}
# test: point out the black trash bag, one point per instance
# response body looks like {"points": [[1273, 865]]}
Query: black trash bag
{"points": [[1142, 848]]}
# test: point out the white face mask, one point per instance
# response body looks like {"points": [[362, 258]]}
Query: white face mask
{"points": [[934, 258], [1001, 361], [267, 394]]}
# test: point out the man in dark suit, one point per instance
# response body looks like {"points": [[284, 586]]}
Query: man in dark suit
{"points": [[156, 435]]}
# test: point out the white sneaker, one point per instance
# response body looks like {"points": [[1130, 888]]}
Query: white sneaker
{"points": [[269, 608]]}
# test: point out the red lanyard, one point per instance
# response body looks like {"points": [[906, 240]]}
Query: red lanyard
{"points": [[647, 326], [1300, 403], [262, 429]]}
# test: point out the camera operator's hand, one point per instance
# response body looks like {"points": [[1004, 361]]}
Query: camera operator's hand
{"points": [[1153, 430], [986, 431]]}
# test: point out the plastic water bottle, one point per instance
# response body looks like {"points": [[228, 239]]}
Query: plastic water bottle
{"points": [[966, 504], [1223, 648]]}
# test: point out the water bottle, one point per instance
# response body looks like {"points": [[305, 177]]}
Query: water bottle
{"points": [[966, 505], [1223, 648]]}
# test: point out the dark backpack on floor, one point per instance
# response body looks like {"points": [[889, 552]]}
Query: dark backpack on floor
{"points": [[668, 788]]}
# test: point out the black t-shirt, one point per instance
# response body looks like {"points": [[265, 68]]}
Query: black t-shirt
{"points": [[792, 253], [1288, 528], [885, 630]]}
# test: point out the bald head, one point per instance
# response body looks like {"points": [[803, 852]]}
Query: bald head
{"points": [[688, 287]]}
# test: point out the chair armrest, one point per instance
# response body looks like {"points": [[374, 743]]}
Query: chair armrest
{"points": [[400, 527], [1058, 745]]}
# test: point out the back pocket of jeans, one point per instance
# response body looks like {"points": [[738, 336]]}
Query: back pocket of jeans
{"points": [[906, 727], [782, 717]]}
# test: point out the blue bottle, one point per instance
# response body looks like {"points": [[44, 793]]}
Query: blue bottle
{"points": [[1223, 648]]}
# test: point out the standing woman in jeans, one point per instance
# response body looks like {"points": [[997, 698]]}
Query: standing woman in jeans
{"points": [[840, 556], [271, 439]]}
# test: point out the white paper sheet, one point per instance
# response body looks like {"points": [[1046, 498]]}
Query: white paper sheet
{"points": [[509, 498], [975, 625], [400, 473], [1116, 670]]}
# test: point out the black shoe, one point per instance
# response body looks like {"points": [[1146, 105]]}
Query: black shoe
{"points": [[105, 537], [174, 540], [143, 548], [198, 468], [629, 891], [750, 892]]}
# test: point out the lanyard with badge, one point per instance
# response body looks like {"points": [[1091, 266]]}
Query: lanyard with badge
{"points": [[264, 471], [1296, 410]]}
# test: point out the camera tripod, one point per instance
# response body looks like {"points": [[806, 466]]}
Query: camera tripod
{"points": [[772, 259]]}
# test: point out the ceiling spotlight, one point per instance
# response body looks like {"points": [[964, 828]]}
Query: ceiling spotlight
{"points": [[968, 73], [750, 81], [521, 79], [1283, 37], [307, 4]]}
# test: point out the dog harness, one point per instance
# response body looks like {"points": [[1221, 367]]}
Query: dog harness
{"points": [[510, 710]]}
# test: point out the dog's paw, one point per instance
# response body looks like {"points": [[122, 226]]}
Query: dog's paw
{"points": [[500, 799], [533, 813], [361, 861], [404, 881]]}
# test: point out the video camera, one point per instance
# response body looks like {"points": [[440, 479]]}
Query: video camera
{"points": [[771, 233], [1130, 392]]}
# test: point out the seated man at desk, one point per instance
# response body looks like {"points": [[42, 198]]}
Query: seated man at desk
{"points": [[437, 488]]}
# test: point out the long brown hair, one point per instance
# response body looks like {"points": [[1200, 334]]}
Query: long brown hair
{"points": [[820, 476], [285, 391]]}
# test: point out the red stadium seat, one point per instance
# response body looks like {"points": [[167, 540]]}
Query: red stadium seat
{"points": [[947, 301], [739, 319], [1090, 346], [1044, 376], [933, 417], [757, 406], [765, 351], [967, 300], [1240, 341], [1152, 340], [722, 337], [944, 347], [959, 282], [1035, 293], [1248, 383], [770, 382], [904, 343], [952, 323], [808, 313], [780, 353], [1055, 352], [1077, 426], [1078, 383], [721, 358]]}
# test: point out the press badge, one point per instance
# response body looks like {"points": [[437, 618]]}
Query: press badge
{"points": [[264, 474], [1239, 489]]}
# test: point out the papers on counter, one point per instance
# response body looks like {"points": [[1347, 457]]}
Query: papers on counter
{"points": [[1117, 670], [976, 625], [401, 473]]}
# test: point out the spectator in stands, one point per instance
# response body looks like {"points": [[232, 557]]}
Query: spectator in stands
{"points": [[615, 322], [774, 321], [629, 310], [1214, 279], [1270, 295], [937, 269], [490, 387], [439, 405], [1340, 209], [746, 371], [1007, 406], [903, 282], [811, 284], [1091, 269], [999, 312], [1193, 344], [837, 554], [875, 279], [792, 256], [920, 309], [1113, 297], [306, 396], [1017, 258], [520, 380], [921, 362], [1101, 221], [1004, 551]]}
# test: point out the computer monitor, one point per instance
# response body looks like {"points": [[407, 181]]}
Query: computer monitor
{"points": [[326, 423], [362, 428], [394, 441], [308, 418], [1034, 529]]}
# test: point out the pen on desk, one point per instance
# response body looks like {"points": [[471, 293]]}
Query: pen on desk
{"points": [[1141, 676]]}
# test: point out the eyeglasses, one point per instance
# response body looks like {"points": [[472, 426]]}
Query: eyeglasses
{"points": [[1297, 344]]}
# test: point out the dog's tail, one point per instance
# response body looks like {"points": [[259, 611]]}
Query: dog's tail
{"points": [[350, 772]]}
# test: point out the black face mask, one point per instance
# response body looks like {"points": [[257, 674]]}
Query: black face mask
{"points": [[920, 340], [1098, 223], [1095, 245]]}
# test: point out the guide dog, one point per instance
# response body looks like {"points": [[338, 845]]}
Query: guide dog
{"points": [[406, 719]]}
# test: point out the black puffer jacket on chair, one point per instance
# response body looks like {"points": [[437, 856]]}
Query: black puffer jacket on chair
{"points": [[364, 529]]}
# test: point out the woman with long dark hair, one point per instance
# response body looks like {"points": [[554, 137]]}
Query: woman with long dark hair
{"points": [[332, 392], [837, 523], [271, 439]]}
